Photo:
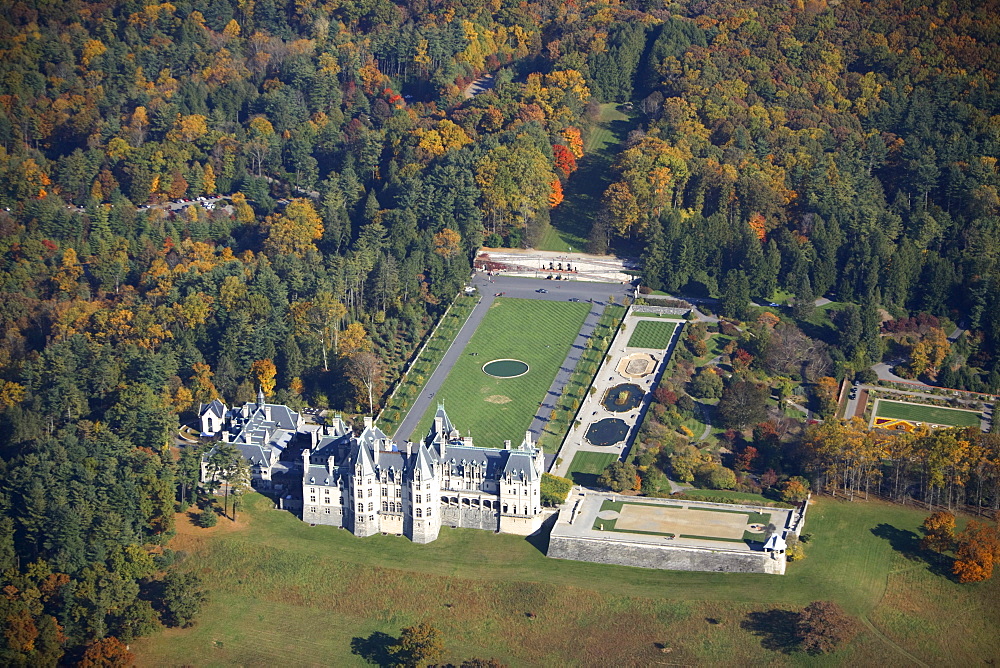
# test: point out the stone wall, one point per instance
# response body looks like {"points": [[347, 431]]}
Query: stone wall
{"points": [[465, 517], [334, 518], [668, 557]]}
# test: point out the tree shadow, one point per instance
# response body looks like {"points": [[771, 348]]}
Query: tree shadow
{"points": [[375, 648], [776, 629], [907, 543]]}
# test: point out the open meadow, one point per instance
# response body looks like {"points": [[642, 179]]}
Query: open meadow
{"points": [[537, 332], [284, 593]]}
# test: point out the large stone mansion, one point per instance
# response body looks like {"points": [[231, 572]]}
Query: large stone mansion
{"points": [[368, 484]]}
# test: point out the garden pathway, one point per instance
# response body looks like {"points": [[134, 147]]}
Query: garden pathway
{"points": [[565, 371]]}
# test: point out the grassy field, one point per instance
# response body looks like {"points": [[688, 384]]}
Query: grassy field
{"points": [[928, 414], [497, 409], [650, 334], [586, 466], [572, 219], [284, 593], [569, 402], [416, 377]]}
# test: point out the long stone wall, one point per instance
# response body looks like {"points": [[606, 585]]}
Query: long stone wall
{"points": [[668, 557], [464, 517]]}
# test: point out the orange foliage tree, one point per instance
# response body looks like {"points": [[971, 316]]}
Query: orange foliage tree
{"points": [[556, 193], [978, 549]]}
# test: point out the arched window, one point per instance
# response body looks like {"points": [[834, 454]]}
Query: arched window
{"points": [[428, 512], [385, 506], [505, 508], [419, 513]]}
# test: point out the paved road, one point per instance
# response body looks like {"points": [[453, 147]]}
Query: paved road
{"points": [[524, 288], [884, 372]]}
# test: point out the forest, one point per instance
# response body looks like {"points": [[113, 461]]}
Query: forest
{"points": [[800, 149]]}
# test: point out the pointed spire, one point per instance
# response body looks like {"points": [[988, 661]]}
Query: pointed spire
{"points": [[260, 396]]}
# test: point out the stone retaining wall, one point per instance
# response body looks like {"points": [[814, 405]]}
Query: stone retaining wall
{"points": [[667, 557], [469, 518]]}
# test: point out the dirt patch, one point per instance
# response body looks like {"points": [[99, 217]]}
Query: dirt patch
{"points": [[498, 399], [190, 534]]}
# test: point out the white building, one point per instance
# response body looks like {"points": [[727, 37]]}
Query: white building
{"points": [[368, 485]]}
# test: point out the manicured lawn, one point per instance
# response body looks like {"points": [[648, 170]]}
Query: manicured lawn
{"points": [[650, 334], [537, 332], [928, 414], [410, 387], [283, 593], [586, 466]]}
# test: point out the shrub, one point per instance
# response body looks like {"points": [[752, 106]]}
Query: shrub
{"points": [[721, 478], [794, 551], [823, 627], [554, 489], [619, 477], [207, 518]]}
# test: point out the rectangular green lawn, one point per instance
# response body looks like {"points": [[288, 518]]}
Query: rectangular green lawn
{"points": [[651, 334], [536, 332], [928, 414], [586, 466]]}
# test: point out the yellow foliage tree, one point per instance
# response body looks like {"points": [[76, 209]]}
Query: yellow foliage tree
{"points": [[265, 372], [294, 232], [352, 339]]}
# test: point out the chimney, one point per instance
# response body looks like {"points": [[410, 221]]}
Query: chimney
{"points": [[375, 451], [467, 441], [442, 446], [506, 445], [329, 464], [314, 437], [368, 422], [527, 439], [305, 462], [409, 448], [267, 412], [439, 428]]}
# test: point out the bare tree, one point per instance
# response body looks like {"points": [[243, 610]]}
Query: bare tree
{"points": [[366, 370]]}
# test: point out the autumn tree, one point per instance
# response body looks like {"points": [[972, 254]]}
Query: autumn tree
{"points": [[366, 370], [939, 532], [978, 549], [826, 395], [294, 231], [447, 243], [619, 477], [320, 317], [109, 652], [265, 372], [352, 339], [418, 645], [823, 627]]}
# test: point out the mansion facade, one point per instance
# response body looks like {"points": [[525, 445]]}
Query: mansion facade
{"points": [[368, 484]]}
